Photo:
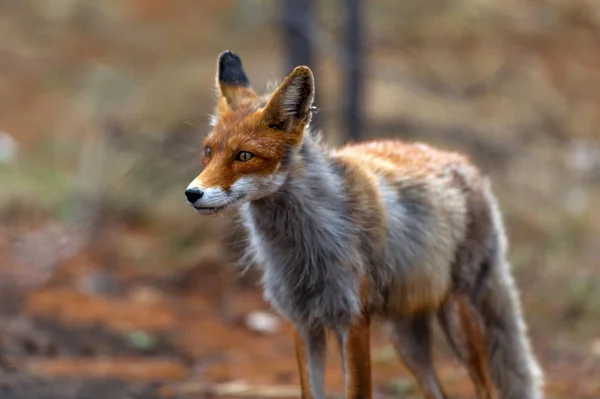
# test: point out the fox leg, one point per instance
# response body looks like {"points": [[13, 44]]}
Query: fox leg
{"points": [[356, 358], [473, 337], [311, 356], [464, 329], [412, 339]]}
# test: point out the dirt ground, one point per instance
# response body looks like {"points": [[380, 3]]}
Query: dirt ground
{"points": [[143, 335]]}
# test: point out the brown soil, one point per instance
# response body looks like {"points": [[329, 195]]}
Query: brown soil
{"points": [[151, 337]]}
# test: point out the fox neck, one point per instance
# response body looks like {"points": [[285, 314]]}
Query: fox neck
{"points": [[303, 230], [312, 184]]}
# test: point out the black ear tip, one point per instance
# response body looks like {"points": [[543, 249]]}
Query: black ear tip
{"points": [[231, 70], [229, 56]]}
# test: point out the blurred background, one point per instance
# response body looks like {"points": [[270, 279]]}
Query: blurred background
{"points": [[110, 285]]}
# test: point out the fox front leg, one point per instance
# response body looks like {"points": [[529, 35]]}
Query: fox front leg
{"points": [[311, 355], [355, 351]]}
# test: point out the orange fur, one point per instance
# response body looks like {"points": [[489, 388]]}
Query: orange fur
{"points": [[239, 131], [473, 342], [404, 161], [358, 359], [358, 352]]}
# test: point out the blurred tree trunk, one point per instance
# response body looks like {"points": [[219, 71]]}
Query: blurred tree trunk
{"points": [[353, 84], [297, 21]]}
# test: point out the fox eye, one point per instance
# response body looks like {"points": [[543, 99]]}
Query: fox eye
{"points": [[244, 156], [207, 152]]}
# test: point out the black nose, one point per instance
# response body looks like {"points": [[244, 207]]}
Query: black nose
{"points": [[193, 194]]}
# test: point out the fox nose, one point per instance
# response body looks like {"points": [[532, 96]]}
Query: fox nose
{"points": [[193, 194]]}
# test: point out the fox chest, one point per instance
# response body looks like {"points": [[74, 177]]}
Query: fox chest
{"points": [[307, 296], [310, 278]]}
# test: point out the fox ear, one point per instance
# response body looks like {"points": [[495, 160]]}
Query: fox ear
{"points": [[232, 83], [290, 104]]}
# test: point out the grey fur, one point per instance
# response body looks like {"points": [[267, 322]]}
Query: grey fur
{"points": [[307, 246], [316, 357], [512, 364], [412, 340], [341, 337], [313, 257]]}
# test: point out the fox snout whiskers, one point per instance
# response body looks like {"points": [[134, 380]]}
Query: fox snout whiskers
{"points": [[209, 200], [193, 196]]}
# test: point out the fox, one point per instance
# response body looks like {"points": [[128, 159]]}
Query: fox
{"points": [[378, 229]]}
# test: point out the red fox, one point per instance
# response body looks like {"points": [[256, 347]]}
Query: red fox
{"points": [[402, 232]]}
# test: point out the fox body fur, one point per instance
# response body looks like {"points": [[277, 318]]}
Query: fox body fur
{"points": [[404, 232]]}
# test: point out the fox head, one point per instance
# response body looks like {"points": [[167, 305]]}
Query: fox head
{"points": [[248, 152]]}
